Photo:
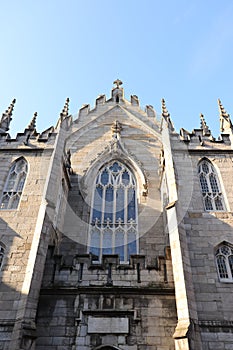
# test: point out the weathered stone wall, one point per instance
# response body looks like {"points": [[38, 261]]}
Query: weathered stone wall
{"points": [[25, 233], [90, 318], [17, 231], [204, 231], [85, 304]]}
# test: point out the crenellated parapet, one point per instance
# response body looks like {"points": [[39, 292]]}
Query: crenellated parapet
{"points": [[117, 105], [203, 136], [30, 137], [76, 270]]}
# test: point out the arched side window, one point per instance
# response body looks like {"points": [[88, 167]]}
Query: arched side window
{"points": [[210, 187], [2, 253], [224, 262], [114, 213], [14, 185]]}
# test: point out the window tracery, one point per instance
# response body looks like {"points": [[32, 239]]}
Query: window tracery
{"points": [[114, 213], [14, 185], [224, 262], [210, 187]]}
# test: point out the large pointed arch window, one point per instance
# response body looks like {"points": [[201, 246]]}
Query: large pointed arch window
{"points": [[224, 262], [114, 213], [14, 185], [210, 187]]}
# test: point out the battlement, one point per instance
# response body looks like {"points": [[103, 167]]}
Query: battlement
{"points": [[30, 137]]}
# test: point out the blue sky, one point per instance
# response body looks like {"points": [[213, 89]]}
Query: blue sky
{"points": [[178, 50]]}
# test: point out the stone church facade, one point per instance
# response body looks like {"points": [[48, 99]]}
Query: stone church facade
{"points": [[116, 232]]}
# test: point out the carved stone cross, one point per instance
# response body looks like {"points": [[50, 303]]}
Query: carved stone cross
{"points": [[118, 82]]}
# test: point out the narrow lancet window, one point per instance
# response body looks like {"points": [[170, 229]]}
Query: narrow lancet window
{"points": [[224, 262], [14, 185], [210, 187], [114, 213], [2, 253]]}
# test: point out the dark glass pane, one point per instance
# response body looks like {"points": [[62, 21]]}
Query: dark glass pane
{"points": [[108, 212], [218, 204], [120, 204], [125, 178], [115, 167], [208, 204], [225, 250], [222, 269], [21, 181], [107, 242], [213, 183], [104, 177], [131, 204], [119, 245], [204, 185], [95, 243], [131, 245], [5, 202], [11, 182], [20, 166], [230, 259], [205, 167], [15, 202], [97, 205]]}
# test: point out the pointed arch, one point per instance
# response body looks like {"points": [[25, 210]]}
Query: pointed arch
{"points": [[14, 184], [118, 153], [114, 213], [210, 186], [224, 261], [107, 347]]}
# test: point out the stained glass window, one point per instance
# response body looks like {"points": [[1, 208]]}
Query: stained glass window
{"points": [[113, 228], [210, 187], [14, 185]]}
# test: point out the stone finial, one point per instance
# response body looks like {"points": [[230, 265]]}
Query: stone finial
{"points": [[225, 120], [204, 126], [118, 82], [164, 109], [166, 115], [32, 124], [116, 129], [65, 111], [6, 117]]}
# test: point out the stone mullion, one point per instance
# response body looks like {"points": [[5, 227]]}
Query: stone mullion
{"points": [[102, 221], [125, 223], [211, 194], [114, 218], [103, 205]]}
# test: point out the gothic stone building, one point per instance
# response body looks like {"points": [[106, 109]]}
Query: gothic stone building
{"points": [[116, 231]]}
